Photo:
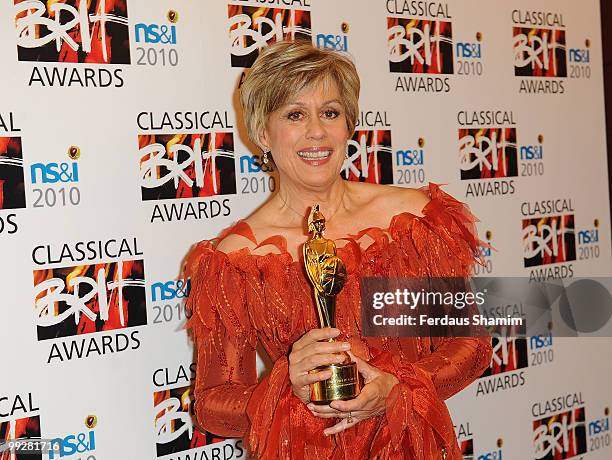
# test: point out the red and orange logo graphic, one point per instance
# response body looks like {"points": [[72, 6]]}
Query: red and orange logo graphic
{"points": [[175, 429], [369, 157], [12, 189], [11, 430], [466, 446], [92, 31], [549, 240], [89, 298], [420, 46], [539, 52], [253, 28], [186, 165], [560, 436], [509, 352], [488, 153]]}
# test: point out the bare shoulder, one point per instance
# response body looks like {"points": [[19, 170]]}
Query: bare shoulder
{"points": [[394, 200], [413, 199], [256, 222], [234, 242]]}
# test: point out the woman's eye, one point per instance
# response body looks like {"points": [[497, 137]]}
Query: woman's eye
{"points": [[331, 113], [294, 116]]}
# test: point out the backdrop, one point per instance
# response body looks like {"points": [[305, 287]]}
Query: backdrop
{"points": [[121, 146]]}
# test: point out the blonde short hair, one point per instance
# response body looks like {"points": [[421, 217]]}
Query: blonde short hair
{"points": [[283, 70]]}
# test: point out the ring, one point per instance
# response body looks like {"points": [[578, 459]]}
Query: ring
{"points": [[349, 419]]}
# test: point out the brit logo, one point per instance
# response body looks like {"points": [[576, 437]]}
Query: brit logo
{"points": [[466, 447], [509, 354], [560, 436], [420, 46], [88, 31], [487, 153], [17, 429], [82, 299], [549, 240], [370, 158], [186, 165], [252, 28], [174, 429], [539, 52], [12, 189], [507, 363]]}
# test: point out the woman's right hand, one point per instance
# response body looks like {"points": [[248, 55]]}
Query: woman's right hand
{"points": [[310, 351]]}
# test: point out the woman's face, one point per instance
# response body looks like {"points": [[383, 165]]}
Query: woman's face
{"points": [[307, 137]]}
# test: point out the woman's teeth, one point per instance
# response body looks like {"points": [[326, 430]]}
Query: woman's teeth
{"points": [[315, 155]]}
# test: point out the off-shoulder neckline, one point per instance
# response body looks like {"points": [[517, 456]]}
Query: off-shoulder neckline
{"points": [[280, 242]]}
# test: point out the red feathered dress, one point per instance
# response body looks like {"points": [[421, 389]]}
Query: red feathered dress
{"points": [[239, 298]]}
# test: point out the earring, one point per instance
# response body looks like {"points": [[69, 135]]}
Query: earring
{"points": [[265, 158]]}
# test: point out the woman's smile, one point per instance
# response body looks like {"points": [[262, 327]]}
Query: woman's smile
{"points": [[315, 156]]}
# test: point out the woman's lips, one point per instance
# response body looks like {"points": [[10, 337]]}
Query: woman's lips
{"points": [[315, 156]]}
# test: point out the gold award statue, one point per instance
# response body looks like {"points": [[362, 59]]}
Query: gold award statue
{"points": [[327, 274]]}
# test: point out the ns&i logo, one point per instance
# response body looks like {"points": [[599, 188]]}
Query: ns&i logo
{"points": [[486, 256], [495, 454], [157, 42], [157, 33], [256, 176], [410, 164], [599, 432], [588, 242], [469, 57], [56, 184], [167, 299], [580, 61], [469, 445], [83, 443], [338, 42]]}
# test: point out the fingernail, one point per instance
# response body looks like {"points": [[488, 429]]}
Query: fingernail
{"points": [[326, 433], [346, 346], [335, 331]]}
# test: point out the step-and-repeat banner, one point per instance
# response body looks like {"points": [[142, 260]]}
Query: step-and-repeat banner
{"points": [[121, 145]]}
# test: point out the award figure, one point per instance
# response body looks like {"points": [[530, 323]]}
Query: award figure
{"points": [[327, 274]]}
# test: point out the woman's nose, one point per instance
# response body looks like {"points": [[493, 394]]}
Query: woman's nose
{"points": [[315, 129]]}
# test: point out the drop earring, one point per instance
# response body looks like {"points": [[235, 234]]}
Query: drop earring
{"points": [[265, 158]]}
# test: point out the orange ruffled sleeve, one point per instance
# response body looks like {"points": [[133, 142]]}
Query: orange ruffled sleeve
{"points": [[417, 420], [229, 401], [224, 339]]}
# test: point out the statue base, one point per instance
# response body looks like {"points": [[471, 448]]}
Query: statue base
{"points": [[345, 383]]}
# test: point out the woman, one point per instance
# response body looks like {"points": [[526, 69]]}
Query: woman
{"points": [[248, 286]]}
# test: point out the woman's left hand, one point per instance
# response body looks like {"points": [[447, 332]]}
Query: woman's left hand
{"points": [[369, 403]]}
